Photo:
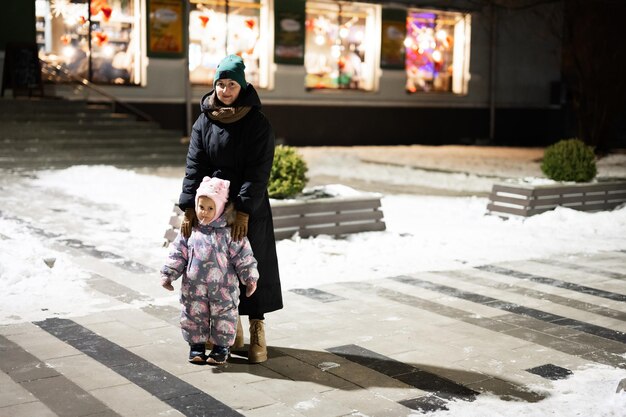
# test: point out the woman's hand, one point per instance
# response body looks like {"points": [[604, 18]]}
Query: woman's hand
{"points": [[240, 226], [189, 221]]}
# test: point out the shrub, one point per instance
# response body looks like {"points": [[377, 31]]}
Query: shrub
{"points": [[569, 160], [288, 175]]}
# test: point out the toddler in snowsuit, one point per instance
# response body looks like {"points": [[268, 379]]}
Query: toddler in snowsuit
{"points": [[211, 262]]}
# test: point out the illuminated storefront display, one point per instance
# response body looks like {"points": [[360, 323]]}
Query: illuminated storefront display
{"points": [[97, 39], [341, 44], [437, 51], [221, 27]]}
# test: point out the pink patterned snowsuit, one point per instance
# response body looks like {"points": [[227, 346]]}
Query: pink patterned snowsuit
{"points": [[210, 262]]}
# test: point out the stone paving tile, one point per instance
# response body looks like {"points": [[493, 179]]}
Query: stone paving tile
{"points": [[301, 396], [64, 397], [168, 314], [13, 393], [507, 391], [298, 370], [606, 358], [275, 410], [536, 355], [28, 410], [363, 403], [86, 373], [515, 377], [19, 328], [131, 401], [550, 371], [599, 342], [556, 343], [230, 389], [113, 289], [43, 345], [442, 366]]}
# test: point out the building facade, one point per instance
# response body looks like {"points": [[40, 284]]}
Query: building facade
{"points": [[328, 72]]}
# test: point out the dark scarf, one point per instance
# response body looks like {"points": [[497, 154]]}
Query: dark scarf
{"points": [[221, 113]]}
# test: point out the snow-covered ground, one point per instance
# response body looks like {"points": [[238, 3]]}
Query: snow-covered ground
{"points": [[126, 212]]}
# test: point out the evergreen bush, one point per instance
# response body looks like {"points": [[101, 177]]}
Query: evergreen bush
{"points": [[569, 160], [288, 175]]}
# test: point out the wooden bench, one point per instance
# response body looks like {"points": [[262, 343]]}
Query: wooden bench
{"points": [[528, 200], [327, 216], [323, 216]]}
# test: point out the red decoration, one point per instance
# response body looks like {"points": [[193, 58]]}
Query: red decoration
{"points": [[66, 39], [82, 20], [203, 20], [100, 38], [97, 5], [250, 23], [106, 13]]}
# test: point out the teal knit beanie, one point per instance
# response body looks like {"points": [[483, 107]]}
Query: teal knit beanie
{"points": [[231, 67]]}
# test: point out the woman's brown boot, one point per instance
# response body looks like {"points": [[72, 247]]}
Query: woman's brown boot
{"points": [[239, 337], [257, 352]]}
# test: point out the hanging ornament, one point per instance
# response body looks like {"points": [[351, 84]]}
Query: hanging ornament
{"points": [[97, 5], [106, 13], [100, 38], [66, 39], [204, 19], [250, 23]]}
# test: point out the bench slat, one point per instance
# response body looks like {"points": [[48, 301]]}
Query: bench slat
{"points": [[299, 221], [287, 209], [334, 230]]}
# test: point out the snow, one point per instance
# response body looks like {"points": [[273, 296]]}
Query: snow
{"points": [[589, 392], [125, 212]]}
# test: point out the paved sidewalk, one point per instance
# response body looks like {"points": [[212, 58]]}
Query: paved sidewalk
{"points": [[389, 347]]}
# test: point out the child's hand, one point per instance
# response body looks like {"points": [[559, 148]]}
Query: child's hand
{"points": [[250, 288], [167, 284]]}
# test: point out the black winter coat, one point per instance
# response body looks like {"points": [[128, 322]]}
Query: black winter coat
{"points": [[241, 152]]}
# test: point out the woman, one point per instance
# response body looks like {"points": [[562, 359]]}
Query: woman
{"points": [[232, 140]]}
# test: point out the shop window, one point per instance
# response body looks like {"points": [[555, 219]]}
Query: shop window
{"points": [[97, 40], [437, 51], [221, 27], [341, 45]]}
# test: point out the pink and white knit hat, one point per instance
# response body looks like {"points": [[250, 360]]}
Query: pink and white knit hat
{"points": [[217, 190]]}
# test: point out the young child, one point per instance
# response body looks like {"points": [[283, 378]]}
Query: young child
{"points": [[211, 262]]}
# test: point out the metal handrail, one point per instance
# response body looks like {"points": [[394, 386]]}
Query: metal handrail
{"points": [[50, 69]]}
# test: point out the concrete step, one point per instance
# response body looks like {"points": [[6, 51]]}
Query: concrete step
{"points": [[9, 126], [120, 160], [89, 133], [8, 117], [64, 143], [48, 133], [33, 106], [79, 151]]}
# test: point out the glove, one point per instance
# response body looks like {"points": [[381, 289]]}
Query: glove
{"points": [[240, 226], [188, 222]]}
